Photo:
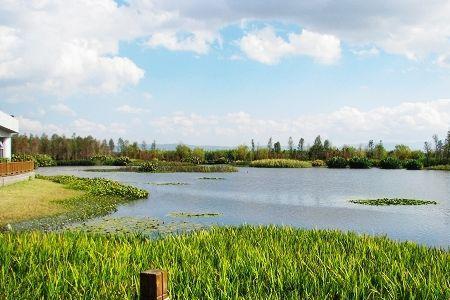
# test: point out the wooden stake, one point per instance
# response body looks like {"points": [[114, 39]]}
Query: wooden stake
{"points": [[153, 285]]}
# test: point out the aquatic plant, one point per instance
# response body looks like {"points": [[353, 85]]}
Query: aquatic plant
{"points": [[337, 162], [392, 201], [280, 163], [390, 163], [169, 167], [359, 163], [193, 214], [413, 164], [168, 183], [248, 262], [211, 178], [98, 186], [440, 168], [318, 163]]}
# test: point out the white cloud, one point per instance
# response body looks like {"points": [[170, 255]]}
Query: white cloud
{"points": [[266, 47], [62, 109], [198, 42], [131, 110], [27, 125], [366, 52], [407, 122]]}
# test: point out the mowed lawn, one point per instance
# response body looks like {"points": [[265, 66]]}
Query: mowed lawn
{"points": [[32, 199]]}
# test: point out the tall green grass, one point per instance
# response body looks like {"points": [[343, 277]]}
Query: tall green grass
{"points": [[223, 263], [280, 163]]}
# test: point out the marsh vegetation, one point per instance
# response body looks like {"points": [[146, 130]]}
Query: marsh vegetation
{"points": [[392, 201]]}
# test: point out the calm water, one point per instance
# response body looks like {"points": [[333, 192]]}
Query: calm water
{"points": [[307, 198]]}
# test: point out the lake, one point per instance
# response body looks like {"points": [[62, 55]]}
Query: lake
{"points": [[306, 198]]}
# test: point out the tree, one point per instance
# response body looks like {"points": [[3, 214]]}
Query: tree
{"points": [[277, 147], [153, 146], [253, 150], [270, 146], [379, 151], [427, 149], [301, 144], [291, 146], [316, 150], [144, 146], [183, 152], [370, 149], [111, 145]]}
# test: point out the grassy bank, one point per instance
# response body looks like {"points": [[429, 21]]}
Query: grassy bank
{"points": [[33, 199], [280, 163], [223, 263], [51, 202], [393, 201]]}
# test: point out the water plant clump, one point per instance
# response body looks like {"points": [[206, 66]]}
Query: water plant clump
{"points": [[248, 262], [392, 201], [168, 183], [211, 178], [337, 162], [359, 163], [169, 167], [280, 163], [318, 163], [193, 214], [99, 186], [390, 163], [413, 164], [440, 168]]}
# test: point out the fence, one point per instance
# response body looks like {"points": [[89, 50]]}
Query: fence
{"points": [[14, 168]]}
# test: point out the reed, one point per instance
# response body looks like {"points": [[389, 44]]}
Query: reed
{"points": [[280, 163], [223, 263]]}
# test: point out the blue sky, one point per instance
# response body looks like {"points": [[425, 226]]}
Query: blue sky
{"points": [[221, 73]]}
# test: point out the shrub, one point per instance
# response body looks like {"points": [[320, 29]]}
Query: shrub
{"points": [[280, 163], [390, 163], [359, 163], [79, 162], [40, 160], [318, 163], [413, 164], [337, 162], [149, 166]]}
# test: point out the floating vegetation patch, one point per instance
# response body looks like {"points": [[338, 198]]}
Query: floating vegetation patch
{"points": [[168, 183], [392, 201], [193, 214], [211, 178], [131, 225]]}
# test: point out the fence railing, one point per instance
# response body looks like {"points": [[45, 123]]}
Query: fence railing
{"points": [[14, 168]]}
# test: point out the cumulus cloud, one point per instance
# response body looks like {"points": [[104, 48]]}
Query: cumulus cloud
{"points": [[266, 47], [62, 109], [131, 109], [407, 122]]}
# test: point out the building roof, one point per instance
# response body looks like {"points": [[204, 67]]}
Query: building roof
{"points": [[8, 123]]}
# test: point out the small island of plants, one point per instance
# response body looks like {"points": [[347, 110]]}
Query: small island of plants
{"points": [[392, 201]]}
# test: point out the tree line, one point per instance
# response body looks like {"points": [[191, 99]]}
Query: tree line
{"points": [[436, 151]]}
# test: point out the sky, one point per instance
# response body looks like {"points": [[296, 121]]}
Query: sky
{"points": [[223, 72]]}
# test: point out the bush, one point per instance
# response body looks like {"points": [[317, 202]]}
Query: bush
{"points": [[40, 160], [413, 164], [359, 163], [149, 166], [318, 163], [122, 161], [337, 162], [390, 163], [79, 162]]}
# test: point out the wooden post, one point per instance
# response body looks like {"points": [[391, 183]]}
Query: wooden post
{"points": [[153, 285]]}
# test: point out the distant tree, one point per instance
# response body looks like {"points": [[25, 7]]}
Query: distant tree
{"points": [[291, 146], [447, 147], [241, 152], [270, 146], [121, 145], [402, 152], [183, 152], [197, 156], [277, 147], [427, 150], [111, 145], [144, 146], [301, 144], [379, 151], [153, 146], [316, 150], [370, 149], [253, 150]]}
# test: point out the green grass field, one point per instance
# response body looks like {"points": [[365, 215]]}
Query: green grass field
{"points": [[223, 263]]}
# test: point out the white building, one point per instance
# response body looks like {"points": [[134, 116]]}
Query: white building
{"points": [[8, 127]]}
